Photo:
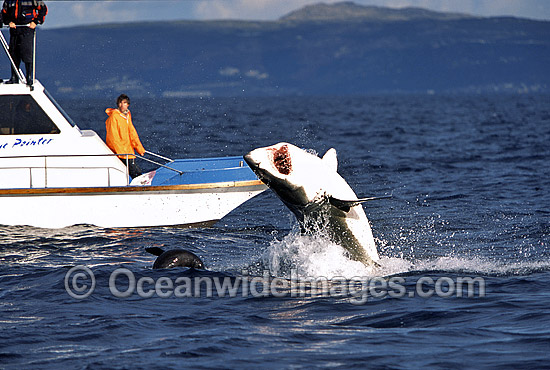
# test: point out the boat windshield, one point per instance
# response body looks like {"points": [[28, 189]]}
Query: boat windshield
{"points": [[22, 115]]}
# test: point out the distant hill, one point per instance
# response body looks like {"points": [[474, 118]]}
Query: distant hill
{"points": [[322, 49], [351, 11]]}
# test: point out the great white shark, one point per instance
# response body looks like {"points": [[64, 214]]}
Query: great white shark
{"points": [[319, 197]]}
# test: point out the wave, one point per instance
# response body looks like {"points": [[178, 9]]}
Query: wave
{"points": [[312, 256]]}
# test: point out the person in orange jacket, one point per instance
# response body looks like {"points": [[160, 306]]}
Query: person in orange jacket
{"points": [[122, 137]]}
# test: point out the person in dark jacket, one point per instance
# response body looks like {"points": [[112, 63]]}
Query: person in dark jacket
{"points": [[22, 16]]}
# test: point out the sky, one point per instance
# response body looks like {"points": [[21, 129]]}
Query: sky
{"points": [[71, 13]]}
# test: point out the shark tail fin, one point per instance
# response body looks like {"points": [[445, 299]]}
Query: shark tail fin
{"points": [[345, 205], [155, 250]]}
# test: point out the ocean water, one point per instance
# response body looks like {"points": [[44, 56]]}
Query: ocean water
{"points": [[470, 178]]}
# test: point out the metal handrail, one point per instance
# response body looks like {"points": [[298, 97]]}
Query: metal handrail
{"points": [[6, 49], [159, 156], [126, 155], [67, 155], [45, 167], [158, 164], [46, 156]]}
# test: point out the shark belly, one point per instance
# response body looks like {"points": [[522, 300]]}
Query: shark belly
{"points": [[353, 232]]}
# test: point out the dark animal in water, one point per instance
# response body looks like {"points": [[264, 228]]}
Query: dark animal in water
{"points": [[175, 258]]}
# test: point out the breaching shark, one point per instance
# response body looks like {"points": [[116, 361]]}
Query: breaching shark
{"points": [[319, 197]]}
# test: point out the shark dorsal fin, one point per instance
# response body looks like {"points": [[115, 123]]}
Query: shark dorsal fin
{"points": [[154, 250], [330, 159], [345, 205]]}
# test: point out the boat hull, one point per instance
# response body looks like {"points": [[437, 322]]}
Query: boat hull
{"points": [[126, 206], [53, 174]]}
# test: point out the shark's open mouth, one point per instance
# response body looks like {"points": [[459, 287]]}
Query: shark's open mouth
{"points": [[281, 160]]}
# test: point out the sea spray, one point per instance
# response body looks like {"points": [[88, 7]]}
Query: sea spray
{"points": [[311, 256]]}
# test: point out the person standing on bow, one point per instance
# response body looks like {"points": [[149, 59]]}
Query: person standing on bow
{"points": [[122, 137], [22, 16]]}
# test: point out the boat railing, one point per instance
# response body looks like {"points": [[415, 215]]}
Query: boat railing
{"points": [[159, 164], [48, 167], [17, 70]]}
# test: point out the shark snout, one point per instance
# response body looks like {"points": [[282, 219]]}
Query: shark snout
{"points": [[249, 159]]}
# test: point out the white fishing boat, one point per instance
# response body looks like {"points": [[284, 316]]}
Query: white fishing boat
{"points": [[53, 174]]}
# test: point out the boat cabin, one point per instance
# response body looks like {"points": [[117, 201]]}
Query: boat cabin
{"points": [[53, 174], [41, 147]]}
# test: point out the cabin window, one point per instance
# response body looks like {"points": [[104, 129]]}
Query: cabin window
{"points": [[20, 114]]}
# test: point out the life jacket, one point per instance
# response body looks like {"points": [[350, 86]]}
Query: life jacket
{"points": [[24, 11]]}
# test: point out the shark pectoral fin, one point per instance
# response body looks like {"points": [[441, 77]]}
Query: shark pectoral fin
{"points": [[330, 159], [154, 250], [342, 205], [361, 200], [345, 205]]}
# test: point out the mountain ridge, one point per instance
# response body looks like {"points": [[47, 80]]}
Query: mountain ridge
{"points": [[348, 10]]}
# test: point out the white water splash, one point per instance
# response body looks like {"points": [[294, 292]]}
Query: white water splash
{"points": [[314, 256], [480, 266], [311, 256]]}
